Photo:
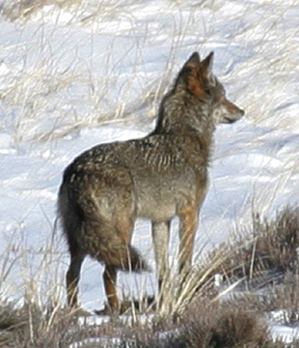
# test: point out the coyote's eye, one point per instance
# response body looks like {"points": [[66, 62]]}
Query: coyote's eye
{"points": [[208, 91]]}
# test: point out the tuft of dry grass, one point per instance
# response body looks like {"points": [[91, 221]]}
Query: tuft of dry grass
{"points": [[206, 326], [32, 326], [269, 254], [280, 303], [264, 266]]}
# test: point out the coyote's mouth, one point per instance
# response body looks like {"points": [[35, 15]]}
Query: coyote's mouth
{"points": [[229, 120]]}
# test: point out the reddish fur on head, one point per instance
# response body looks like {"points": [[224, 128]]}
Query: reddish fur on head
{"points": [[195, 73]]}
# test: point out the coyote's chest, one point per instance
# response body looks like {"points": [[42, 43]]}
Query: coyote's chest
{"points": [[159, 196]]}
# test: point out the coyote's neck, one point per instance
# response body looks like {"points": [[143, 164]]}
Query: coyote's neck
{"points": [[183, 114]]}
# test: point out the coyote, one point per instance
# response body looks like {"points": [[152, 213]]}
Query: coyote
{"points": [[160, 176]]}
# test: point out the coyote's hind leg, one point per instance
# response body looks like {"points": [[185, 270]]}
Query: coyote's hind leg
{"points": [[109, 276], [72, 278]]}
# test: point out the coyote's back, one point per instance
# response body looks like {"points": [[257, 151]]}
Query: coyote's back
{"points": [[158, 177]]}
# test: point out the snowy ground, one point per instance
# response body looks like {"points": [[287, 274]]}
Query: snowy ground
{"points": [[94, 71]]}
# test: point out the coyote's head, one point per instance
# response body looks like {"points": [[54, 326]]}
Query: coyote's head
{"points": [[197, 78]]}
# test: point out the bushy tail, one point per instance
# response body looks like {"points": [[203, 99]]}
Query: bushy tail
{"points": [[123, 257], [92, 235]]}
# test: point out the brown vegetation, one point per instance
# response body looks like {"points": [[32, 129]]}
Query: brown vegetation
{"points": [[267, 263], [267, 255]]}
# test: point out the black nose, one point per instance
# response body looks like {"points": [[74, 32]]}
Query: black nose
{"points": [[242, 112]]}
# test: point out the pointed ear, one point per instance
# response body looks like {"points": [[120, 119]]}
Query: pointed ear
{"points": [[188, 78], [194, 60], [192, 81], [207, 63]]}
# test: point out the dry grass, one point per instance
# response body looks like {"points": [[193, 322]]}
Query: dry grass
{"points": [[206, 326], [198, 316], [263, 266], [33, 326], [46, 99], [84, 11], [267, 255], [202, 326], [43, 93], [14, 10]]}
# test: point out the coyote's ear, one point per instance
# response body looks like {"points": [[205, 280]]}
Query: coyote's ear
{"points": [[190, 75], [194, 60], [207, 63]]}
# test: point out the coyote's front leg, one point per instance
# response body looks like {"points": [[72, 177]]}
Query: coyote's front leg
{"points": [[188, 226], [160, 232]]}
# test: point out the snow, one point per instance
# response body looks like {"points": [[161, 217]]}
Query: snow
{"points": [[284, 333], [73, 77]]}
